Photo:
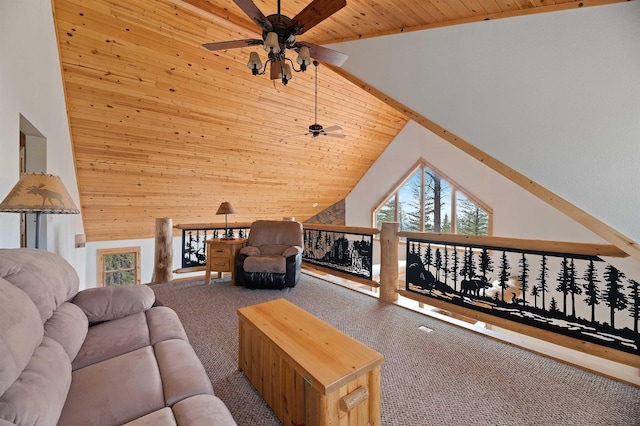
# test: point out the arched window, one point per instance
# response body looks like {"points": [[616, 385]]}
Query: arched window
{"points": [[425, 200]]}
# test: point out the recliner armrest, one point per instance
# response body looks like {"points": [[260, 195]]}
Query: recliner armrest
{"points": [[250, 251], [292, 251]]}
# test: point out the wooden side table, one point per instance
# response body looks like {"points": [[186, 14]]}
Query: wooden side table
{"points": [[221, 256]]}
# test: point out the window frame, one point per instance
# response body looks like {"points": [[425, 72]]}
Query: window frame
{"points": [[420, 165], [101, 254]]}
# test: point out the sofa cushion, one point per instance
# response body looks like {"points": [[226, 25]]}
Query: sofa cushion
{"points": [[110, 339], [164, 324], [162, 417], [20, 334], [68, 326], [182, 372], [114, 391], [199, 410], [276, 264], [275, 232], [47, 278], [113, 302], [203, 410], [38, 395], [273, 249]]}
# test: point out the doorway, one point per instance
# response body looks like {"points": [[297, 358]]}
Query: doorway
{"points": [[33, 159]]}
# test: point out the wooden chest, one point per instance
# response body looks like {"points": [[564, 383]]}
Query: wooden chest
{"points": [[307, 371]]}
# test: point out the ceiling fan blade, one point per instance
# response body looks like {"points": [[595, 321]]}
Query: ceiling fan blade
{"points": [[336, 135], [316, 12], [332, 129], [296, 135], [224, 45], [313, 138], [324, 54], [252, 11], [276, 69]]}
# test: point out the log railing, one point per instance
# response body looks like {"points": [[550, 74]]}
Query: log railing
{"points": [[563, 293]]}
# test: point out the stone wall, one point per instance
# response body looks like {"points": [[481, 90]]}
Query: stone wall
{"points": [[332, 215]]}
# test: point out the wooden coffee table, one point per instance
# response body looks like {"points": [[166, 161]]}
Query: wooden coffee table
{"points": [[307, 371]]}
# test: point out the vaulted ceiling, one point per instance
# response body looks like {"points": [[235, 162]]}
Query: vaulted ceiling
{"points": [[162, 127]]}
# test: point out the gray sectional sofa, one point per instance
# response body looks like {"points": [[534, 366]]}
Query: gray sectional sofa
{"points": [[102, 356]]}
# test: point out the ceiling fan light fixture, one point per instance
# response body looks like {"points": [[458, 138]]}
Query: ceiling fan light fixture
{"points": [[304, 58], [279, 34], [285, 73], [254, 64], [271, 44]]}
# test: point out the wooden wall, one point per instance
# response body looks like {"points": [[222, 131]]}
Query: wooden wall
{"points": [[161, 127]]}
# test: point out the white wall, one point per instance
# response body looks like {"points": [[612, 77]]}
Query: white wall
{"points": [[517, 213], [31, 85], [555, 96]]}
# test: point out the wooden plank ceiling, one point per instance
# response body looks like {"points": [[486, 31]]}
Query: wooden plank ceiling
{"points": [[161, 127]]}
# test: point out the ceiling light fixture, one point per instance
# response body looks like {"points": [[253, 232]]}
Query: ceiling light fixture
{"points": [[279, 34], [276, 43]]}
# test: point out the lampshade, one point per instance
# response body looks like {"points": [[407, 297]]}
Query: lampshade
{"points": [[39, 193], [271, 43], [285, 73], [254, 61], [226, 208], [304, 57]]}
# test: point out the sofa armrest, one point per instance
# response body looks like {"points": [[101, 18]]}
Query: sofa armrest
{"points": [[292, 251], [108, 303]]}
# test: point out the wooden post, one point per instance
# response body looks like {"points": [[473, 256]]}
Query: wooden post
{"points": [[389, 261], [163, 263]]}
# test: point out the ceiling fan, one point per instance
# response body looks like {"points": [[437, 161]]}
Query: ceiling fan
{"points": [[316, 130], [279, 34]]}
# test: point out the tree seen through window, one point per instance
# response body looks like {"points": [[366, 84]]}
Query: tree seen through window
{"points": [[119, 266], [428, 202], [119, 269]]}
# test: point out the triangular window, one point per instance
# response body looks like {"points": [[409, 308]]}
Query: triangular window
{"points": [[425, 200]]}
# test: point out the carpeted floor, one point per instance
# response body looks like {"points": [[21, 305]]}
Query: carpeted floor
{"points": [[449, 376]]}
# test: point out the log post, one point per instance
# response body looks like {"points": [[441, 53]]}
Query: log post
{"points": [[389, 261], [163, 262]]}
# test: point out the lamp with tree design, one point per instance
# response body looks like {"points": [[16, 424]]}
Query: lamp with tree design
{"points": [[226, 208]]}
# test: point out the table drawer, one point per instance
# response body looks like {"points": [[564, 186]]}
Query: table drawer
{"points": [[220, 264], [219, 250]]}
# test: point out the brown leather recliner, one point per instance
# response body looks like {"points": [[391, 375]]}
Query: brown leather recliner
{"points": [[272, 257]]}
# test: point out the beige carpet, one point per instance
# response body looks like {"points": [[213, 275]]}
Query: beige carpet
{"points": [[449, 376]]}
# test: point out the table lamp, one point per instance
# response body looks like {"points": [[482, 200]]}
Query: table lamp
{"points": [[226, 208]]}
